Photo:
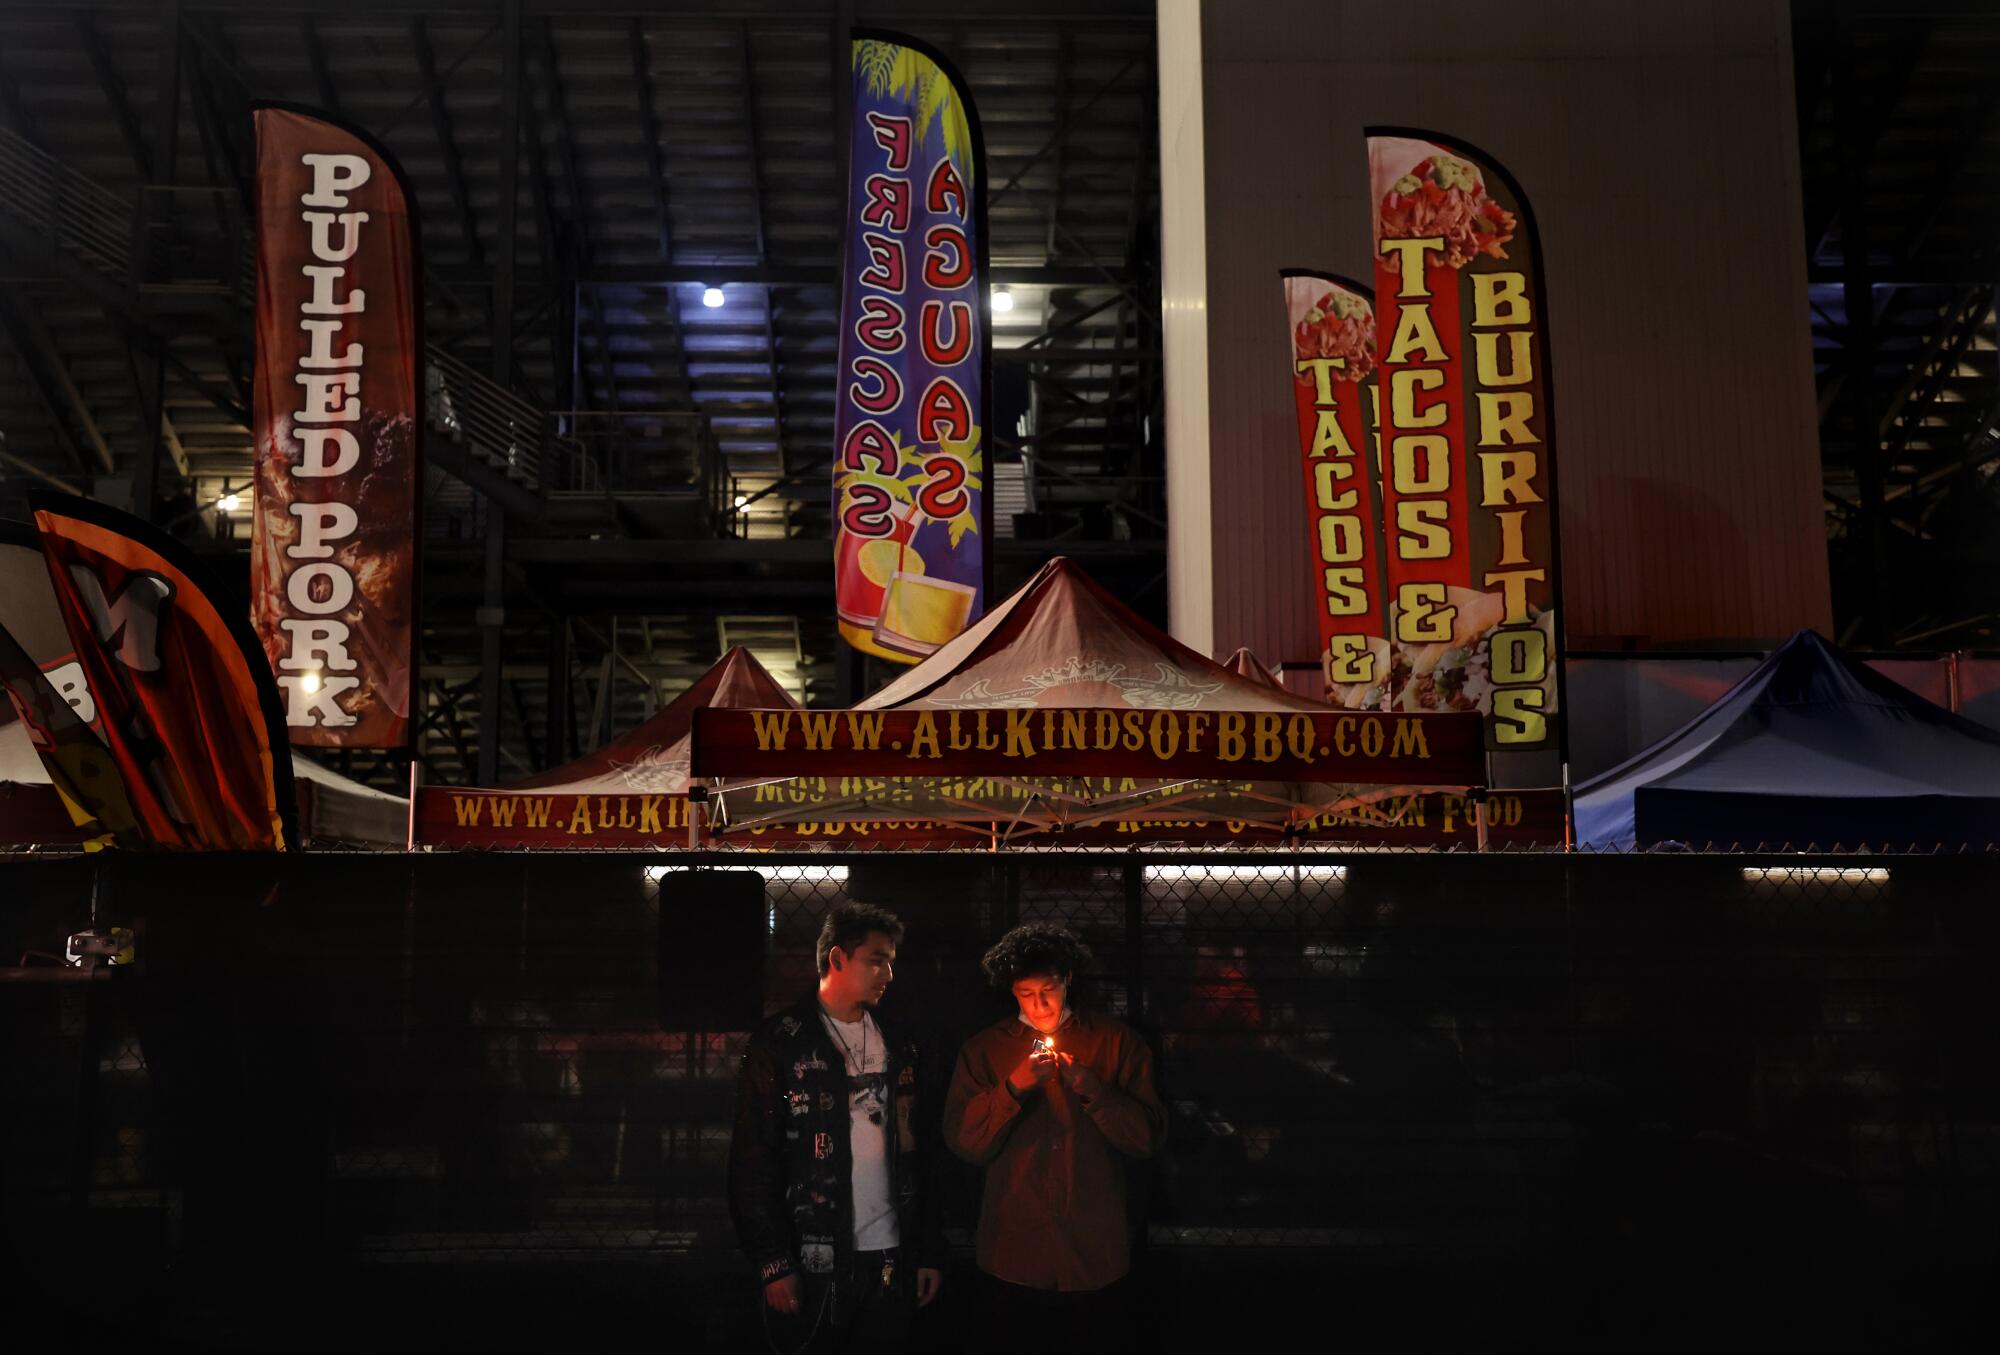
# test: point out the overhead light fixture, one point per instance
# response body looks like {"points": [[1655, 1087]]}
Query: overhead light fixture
{"points": [[1003, 301], [1823, 875], [742, 500], [711, 297], [309, 681], [229, 503]]}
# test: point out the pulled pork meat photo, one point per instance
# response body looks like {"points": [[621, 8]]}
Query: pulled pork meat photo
{"points": [[1444, 196], [1339, 325]]}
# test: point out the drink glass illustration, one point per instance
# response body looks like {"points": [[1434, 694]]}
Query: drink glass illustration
{"points": [[863, 564], [920, 615]]}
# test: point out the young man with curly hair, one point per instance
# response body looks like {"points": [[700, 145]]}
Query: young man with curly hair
{"points": [[1052, 1101], [825, 1174]]}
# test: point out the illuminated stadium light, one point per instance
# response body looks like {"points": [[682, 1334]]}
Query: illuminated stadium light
{"points": [[1218, 873], [1003, 301], [711, 297], [1852, 875], [229, 503]]}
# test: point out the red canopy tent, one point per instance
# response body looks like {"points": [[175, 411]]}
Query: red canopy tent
{"points": [[631, 793], [1062, 711], [1247, 665]]}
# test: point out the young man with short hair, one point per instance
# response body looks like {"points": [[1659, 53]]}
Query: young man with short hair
{"points": [[1052, 1102], [825, 1176]]}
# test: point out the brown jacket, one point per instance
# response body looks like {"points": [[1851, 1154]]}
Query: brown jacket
{"points": [[1054, 1213]]}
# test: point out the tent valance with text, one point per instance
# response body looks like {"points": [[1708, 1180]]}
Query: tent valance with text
{"points": [[1342, 746]]}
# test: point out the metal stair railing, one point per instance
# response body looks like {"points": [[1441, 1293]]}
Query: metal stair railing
{"points": [[69, 210], [497, 427], [96, 226]]}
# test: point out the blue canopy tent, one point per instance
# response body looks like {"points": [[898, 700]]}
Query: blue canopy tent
{"points": [[1811, 749]]}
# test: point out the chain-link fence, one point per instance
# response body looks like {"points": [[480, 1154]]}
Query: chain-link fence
{"points": [[332, 1091]]}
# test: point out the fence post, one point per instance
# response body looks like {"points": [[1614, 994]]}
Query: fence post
{"points": [[1010, 896], [1135, 917]]}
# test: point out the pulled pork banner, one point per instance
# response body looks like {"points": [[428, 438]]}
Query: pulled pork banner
{"points": [[173, 682], [911, 513], [1468, 439], [1332, 323], [338, 421], [1361, 746]]}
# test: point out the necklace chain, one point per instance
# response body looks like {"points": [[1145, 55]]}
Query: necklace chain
{"points": [[860, 1064]]}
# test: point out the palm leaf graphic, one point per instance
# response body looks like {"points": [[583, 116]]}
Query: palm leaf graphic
{"points": [[890, 70]]}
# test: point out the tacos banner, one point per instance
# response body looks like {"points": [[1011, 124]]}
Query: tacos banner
{"points": [[337, 422], [170, 679], [909, 492], [1468, 443], [1332, 324]]}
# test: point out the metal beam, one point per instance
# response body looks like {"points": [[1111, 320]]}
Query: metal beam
{"points": [[14, 115], [492, 619], [329, 93], [555, 724], [579, 227], [749, 271], [1852, 138], [506, 222], [1062, 131], [518, 502], [454, 168], [547, 235], [756, 159], [777, 386], [29, 468], [649, 127], [45, 363], [218, 152], [114, 94], [565, 140], [1854, 150], [117, 304], [51, 405], [1065, 66]]}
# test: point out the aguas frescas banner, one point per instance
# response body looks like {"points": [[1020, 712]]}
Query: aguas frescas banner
{"points": [[910, 509], [170, 680], [1332, 323], [1467, 439], [337, 424]]}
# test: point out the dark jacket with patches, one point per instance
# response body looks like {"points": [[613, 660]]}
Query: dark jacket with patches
{"points": [[790, 1162]]}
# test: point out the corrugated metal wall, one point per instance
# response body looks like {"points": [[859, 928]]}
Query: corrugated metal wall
{"points": [[1658, 145]]}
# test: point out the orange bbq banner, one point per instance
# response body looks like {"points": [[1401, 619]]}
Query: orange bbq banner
{"points": [[172, 680], [1467, 437], [338, 430], [1332, 322]]}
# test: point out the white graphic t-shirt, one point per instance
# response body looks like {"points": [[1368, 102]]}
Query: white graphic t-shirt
{"points": [[860, 1043]]}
